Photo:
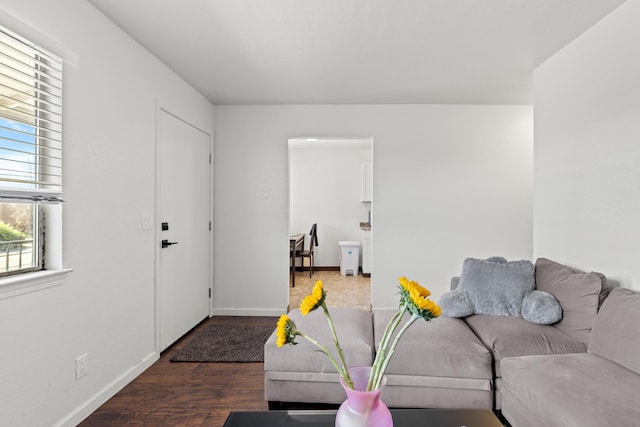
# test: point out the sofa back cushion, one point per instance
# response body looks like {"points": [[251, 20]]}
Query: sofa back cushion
{"points": [[616, 333], [579, 293]]}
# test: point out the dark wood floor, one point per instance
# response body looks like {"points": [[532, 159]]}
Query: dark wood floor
{"points": [[187, 394]]}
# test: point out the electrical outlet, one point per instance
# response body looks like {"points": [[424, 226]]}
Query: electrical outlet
{"points": [[82, 366]]}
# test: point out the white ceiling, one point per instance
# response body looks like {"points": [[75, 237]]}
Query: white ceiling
{"points": [[357, 51]]}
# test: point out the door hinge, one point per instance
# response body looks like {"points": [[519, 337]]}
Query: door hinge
{"points": [[209, 292], [210, 155], [209, 225]]}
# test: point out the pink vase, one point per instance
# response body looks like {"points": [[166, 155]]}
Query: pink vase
{"points": [[363, 408]]}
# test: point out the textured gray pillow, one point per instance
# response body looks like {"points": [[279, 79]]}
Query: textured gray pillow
{"points": [[456, 304], [541, 308], [496, 288]]}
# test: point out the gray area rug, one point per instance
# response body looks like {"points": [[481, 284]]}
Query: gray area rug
{"points": [[226, 343]]}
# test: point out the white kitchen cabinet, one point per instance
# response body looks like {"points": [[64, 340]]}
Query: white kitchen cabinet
{"points": [[366, 252], [366, 182]]}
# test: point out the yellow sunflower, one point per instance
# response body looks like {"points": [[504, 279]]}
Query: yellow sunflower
{"points": [[404, 282], [421, 306], [424, 303], [434, 308], [314, 300], [423, 292], [286, 331], [414, 298], [408, 285]]}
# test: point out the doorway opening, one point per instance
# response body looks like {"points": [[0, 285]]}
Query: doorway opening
{"points": [[330, 184]]}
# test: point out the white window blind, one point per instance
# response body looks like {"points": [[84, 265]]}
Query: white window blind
{"points": [[30, 122]]}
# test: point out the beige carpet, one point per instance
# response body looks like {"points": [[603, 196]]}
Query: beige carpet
{"points": [[342, 291]]}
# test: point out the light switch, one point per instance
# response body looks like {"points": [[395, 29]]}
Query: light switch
{"points": [[147, 222]]}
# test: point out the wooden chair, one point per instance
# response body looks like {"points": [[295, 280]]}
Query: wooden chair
{"points": [[313, 242]]}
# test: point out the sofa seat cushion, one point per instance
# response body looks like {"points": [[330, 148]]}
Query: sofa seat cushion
{"points": [[580, 390], [437, 364], [512, 336], [616, 333], [354, 329], [442, 347]]}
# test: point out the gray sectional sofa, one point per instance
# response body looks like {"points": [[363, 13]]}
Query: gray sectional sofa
{"points": [[553, 375]]}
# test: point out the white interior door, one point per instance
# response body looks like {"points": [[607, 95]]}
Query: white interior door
{"points": [[184, 213]]}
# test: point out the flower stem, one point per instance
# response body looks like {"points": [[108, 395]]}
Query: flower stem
{"points": [[345, 370], [387, 358], [382, 348], [341, 370]]}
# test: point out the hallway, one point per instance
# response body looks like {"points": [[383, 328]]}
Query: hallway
{"points": [[342, 291]]}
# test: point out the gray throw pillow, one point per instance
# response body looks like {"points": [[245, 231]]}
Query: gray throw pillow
{"points": [[496, 288], [541, 307], [456, 304]]}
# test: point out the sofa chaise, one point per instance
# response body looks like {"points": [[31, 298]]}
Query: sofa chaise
{"points": [[595, 388]]}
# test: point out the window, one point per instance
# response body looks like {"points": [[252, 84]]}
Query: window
{"points": [[30, 150]]}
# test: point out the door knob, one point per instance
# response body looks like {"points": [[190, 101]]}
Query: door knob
{"points": [[166, 243]]}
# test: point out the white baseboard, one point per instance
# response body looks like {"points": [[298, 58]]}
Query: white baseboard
{"points": [[247, 312], [89, 406]]}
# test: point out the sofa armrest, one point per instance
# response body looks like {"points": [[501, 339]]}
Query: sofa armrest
{"points": [[455, 281]]}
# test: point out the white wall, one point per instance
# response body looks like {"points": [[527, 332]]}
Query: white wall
{"points": [[587, 151], [449, 182], [106, 306], [325, 188]]}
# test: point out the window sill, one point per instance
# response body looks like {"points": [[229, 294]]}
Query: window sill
{"points": [[19, 284]]}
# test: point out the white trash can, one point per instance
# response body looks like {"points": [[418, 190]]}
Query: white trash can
{"points": [[349, 258]]}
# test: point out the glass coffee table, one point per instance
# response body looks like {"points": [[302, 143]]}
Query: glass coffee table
{"points": [[401, 418]]}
